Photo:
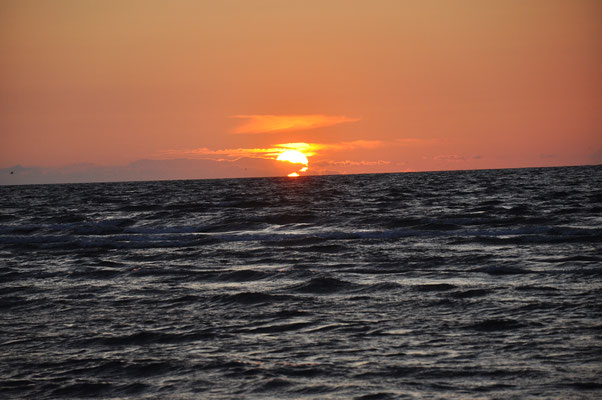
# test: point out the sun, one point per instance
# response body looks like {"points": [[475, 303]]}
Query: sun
{"points": [[293, 156]]}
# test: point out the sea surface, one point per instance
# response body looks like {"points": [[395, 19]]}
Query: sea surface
{"points": [[468, 284]]}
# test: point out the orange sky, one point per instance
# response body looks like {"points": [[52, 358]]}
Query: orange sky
{"points": [[371, 86]]}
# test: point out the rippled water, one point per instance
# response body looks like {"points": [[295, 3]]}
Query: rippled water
{"points": [[475, 284]]}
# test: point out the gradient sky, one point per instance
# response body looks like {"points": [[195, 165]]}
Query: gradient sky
{"points": [[369, 86]]}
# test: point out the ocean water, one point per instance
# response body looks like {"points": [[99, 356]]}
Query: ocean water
{"points": [[471, 284]]}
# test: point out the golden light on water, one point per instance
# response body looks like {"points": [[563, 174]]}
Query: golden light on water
{"points": [[293, 175]]}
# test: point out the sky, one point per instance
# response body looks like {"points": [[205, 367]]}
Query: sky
{"points": [[94, 90]]}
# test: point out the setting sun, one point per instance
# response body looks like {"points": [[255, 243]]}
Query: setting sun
{"points": [[293, 156]]}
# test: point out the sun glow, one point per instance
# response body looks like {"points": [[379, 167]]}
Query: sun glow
{"points": [[293, 156]]}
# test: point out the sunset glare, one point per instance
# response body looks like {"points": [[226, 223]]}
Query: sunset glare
{"points": [[293, 156]]}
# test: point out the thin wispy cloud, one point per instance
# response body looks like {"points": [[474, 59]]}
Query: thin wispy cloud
{"points": [[324, 158], [270, 152], [259, 123], [309, 149], [355, 144], [312, 148], [347, 163]]}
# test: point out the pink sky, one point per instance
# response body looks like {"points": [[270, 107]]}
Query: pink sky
{"points": [[370, 86]]}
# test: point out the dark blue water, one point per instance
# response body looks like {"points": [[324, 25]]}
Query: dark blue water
{"points": [[474, 284]]}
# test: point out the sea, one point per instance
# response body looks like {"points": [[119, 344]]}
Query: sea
{"points": [[436, 285]]}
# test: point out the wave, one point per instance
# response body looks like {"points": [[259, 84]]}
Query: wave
{"points": [[503, 270], [149, 337], [434, 287], [471, 293], [250, 298], [245, 275], [278, 328], [323, 285], [496, 324]]}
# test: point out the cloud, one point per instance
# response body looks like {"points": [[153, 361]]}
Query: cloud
{"points": [[267, 153], [348, 163], [309, 149], [271, 152], [356, 144], [284, 123], [313, 148], [204, 162]]}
